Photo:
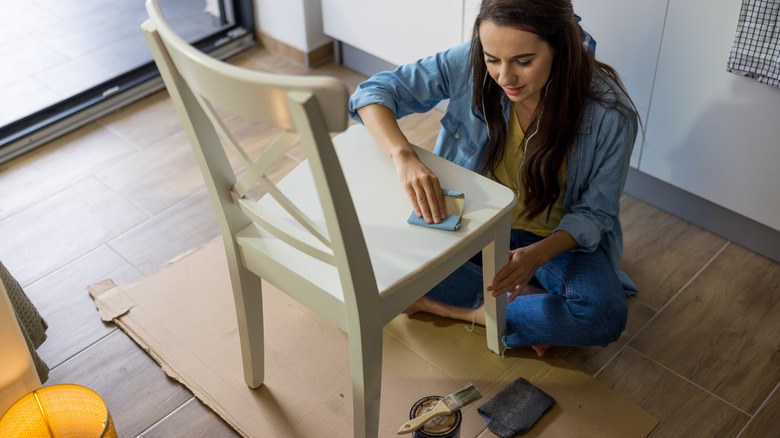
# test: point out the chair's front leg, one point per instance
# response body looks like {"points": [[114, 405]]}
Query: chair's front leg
{"points": [[494, 257]]}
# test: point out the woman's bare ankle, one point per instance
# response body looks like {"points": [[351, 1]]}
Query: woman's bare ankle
{"points": [[429, 305], [540, 349]]}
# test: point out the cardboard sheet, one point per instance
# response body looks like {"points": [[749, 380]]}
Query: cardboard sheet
{"points": [[183, 315]]}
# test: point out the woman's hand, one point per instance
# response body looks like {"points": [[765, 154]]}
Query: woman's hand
{"points": [[512, 278], [419, 183], [421, 186], [524, 262]]}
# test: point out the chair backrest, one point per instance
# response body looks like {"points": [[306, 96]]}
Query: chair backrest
{"points": [[303, 107]]}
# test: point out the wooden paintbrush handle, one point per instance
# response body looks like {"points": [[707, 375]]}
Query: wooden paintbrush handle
{"points": [[417, 422]]}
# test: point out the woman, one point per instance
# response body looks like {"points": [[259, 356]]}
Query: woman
{"points": [[531, 108]]}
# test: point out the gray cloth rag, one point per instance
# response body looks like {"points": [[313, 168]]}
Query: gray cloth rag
{"points": [[30, 321], [515, 409]]}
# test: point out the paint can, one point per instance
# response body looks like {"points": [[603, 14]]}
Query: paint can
{"points": [[443, 426]]}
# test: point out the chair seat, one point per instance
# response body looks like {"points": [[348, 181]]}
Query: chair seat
{"points": [[397, 249]]}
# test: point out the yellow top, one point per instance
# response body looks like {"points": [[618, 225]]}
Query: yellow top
{"points": [[507, 173]]}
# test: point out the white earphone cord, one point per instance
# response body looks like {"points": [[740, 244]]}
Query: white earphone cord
{"points": [[516, 181]]}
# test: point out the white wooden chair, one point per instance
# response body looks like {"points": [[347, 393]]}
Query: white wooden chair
{"points": [[332, 234]]}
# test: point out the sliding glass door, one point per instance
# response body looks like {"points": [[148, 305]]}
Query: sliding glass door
{"points": [[69, 62]]}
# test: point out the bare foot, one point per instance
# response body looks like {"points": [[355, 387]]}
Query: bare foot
{"points": [[540, 349], [429, 305], [418, 306]]}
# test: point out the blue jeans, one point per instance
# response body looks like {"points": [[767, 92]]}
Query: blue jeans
{"points": [[585, 304]]}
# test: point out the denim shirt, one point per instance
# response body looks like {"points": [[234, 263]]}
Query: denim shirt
{"points": [[597, 164]]}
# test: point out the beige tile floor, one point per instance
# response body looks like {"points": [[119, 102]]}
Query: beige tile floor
{"points": [[122, 196]]}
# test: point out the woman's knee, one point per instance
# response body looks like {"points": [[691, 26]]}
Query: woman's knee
{"points": [[606, 322]]}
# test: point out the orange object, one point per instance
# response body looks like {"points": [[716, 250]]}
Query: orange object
{"points": [[58, 411]]}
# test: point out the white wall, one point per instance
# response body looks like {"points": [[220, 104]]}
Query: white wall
{"points": [[297, 23]]}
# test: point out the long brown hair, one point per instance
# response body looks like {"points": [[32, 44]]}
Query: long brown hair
{"points": [[563, 100]]}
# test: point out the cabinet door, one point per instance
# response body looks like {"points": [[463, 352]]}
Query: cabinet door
{"points": [[628, 37], [397, 31], [710, 132]]}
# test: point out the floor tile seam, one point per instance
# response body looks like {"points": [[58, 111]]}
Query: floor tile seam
{"points": [[761, 406], [686, 379], [146, 222], [168, 415], [32, 75], [45, 197], [401, 342], [156, 215], [107, 242], [28, 75], [43, 41], [125, 198], [658, 312], [93, 343], [693, 278], [139, 273], [47, 85], [74, 183], [75, 258], [139, 148]]}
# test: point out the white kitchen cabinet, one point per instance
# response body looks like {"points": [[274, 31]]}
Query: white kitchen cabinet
{"points": [[628, 36], [397, 31], [710, 132]]}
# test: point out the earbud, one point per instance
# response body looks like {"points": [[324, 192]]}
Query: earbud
{"points": [[484, 114], [538, 119]]}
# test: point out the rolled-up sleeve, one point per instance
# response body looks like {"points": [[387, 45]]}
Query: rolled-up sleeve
{"points": [[413, 88], [600, 178]]}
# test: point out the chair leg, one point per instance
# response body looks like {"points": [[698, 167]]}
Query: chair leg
{"points": [[365, 352], [494, 257], [248, 297]]}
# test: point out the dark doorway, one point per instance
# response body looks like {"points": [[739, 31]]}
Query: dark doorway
{"points": [[68, 62]]}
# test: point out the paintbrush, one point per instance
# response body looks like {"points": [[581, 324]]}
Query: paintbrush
{"points": [[445, 406]]}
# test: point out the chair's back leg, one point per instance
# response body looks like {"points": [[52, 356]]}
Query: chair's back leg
{"points": [[219, 178]]}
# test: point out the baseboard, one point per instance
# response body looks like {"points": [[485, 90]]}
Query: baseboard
{"points": [[735, 227], [313, 59], [360, 61]]}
